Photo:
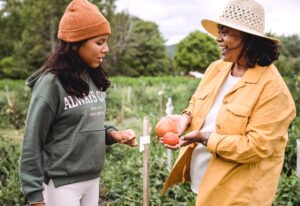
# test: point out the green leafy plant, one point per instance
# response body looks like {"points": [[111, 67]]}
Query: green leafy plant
{"points": [[10, 192]]}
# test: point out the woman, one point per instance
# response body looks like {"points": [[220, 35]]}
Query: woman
{"points": [[65, 136], [238, 117]]}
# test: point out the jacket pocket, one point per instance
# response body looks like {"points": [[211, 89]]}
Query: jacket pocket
{"points": [[199, 102], [236, 118], [87, 153]]}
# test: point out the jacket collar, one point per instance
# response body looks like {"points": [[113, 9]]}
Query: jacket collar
{"points": [[251, 75], [254, 74]]}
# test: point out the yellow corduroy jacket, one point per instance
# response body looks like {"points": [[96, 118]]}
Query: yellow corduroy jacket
{"points": [[250, 139]]}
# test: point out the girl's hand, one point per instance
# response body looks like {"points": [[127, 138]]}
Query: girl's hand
{"points": [[127, 137]]}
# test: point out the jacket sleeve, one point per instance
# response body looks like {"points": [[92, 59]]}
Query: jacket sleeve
{"points": [[108, 140], [266, 130], [39, 118]]}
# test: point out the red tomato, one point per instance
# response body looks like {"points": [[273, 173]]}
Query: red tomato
{"points": [[171, 138], [164, 126]]}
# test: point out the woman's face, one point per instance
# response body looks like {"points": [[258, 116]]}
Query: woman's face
{"points": [[94, 50], [231, 43]]}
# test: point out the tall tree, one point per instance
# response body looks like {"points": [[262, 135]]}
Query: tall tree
{"points": [[195, 52], [11, 26], [289, 59], [137, 47]]}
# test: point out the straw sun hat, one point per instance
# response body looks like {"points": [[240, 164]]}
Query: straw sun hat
{"points": [[243, 15]]}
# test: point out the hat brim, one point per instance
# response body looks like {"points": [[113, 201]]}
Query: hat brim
{"points": [[211, 26]]}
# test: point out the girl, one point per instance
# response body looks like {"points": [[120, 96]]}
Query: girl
{"points": [[65, 136]]}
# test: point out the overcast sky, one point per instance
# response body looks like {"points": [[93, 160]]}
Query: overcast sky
{"points": [[176, 19]]}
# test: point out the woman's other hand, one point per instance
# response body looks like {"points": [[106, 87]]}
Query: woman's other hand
{"points": [[182, 121], [172, 147], [127, 137], [195, 136]]}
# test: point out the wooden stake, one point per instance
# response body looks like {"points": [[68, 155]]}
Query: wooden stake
{"points": [[9, 101], [169, 111], [146, 154]]}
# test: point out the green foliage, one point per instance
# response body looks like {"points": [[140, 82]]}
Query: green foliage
{"points": [[288, 192], [291, 45], [121, 180], [9, 69], [125, 187], [15, 100], [289, 59], [10, 193], [137, 48], [196, 52], [141, 95]]}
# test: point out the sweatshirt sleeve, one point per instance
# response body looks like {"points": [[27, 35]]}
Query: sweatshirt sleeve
{"points": [[108, 140], [39, 118], [266, 130]]}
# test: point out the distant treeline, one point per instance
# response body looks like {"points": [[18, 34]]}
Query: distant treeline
{"points": [[29, 29]]}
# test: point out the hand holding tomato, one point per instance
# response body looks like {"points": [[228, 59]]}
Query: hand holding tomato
{"points": [[182, 121], [164, 126], [173, 123]]}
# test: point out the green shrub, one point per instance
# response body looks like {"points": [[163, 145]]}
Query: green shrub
{"points": [[10, 192], [121, 180], [288, 192], [291, 148], [15, 100]]}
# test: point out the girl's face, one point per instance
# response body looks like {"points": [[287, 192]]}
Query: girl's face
{"points": [[94, 50], [231, 44]]}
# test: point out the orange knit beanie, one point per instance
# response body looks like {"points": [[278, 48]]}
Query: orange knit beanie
{"points": [[82, 20]]}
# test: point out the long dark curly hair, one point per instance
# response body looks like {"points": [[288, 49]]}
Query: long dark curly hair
{"points": [[72, 71], [259, 50]]}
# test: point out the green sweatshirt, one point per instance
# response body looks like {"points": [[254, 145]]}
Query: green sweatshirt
{"points": [[65, 137]]}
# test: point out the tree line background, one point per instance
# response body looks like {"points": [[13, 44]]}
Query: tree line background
{"points": [[137, 48]]}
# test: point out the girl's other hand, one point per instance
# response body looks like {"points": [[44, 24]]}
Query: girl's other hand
{"points": [[127, 137]]}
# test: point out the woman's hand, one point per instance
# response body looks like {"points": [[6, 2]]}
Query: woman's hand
{"points": [[124, 137], [182, 121], [175, 147], [192, 137]]}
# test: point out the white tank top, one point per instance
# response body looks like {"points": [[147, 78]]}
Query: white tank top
{"points": [[200, 155]]}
